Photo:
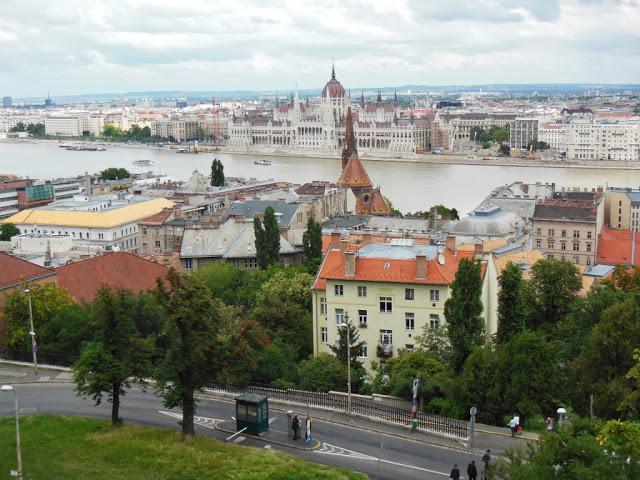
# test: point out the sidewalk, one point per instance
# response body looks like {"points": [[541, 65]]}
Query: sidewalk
{"points": [[15, 374], [271, 436]]}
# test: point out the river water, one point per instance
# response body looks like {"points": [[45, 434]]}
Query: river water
{"points": [[410, 186]]}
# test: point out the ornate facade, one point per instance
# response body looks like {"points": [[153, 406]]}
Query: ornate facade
{"points": [[320, 125]]}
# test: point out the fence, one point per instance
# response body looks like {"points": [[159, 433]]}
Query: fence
{"points": [[359, 406]]}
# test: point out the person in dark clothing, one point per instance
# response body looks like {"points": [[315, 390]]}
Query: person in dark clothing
{"points": [[472, 470], [455, 473], [486, 458], [295, 425]]}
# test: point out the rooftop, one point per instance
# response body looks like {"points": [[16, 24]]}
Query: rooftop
{"points": [[14, 271], [556, 211], [250, 208]]}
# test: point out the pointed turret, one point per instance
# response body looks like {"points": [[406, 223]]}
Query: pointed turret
{"points": [[395, 97], [333, 71], [362, 98], [349, 146], [379, 96]]}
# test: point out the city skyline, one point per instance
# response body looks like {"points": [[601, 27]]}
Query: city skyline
{"points": [[200, 46]]}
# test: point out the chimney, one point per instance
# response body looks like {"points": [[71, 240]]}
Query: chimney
{"points": [[478, 249], [366, 238], [349, 263], [421, 266], [450, 243], [335, 240], [344, 245]]}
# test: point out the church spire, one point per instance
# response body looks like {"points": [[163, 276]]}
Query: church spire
{"points": [[349, 147], [395, 97], [379, 96], [277, 101], [362, 98], [333, 71]]}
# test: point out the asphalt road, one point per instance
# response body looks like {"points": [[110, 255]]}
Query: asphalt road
{"points": [[380, 456]]}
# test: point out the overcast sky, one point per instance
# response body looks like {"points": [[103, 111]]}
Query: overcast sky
{"points": [[92, 46]]}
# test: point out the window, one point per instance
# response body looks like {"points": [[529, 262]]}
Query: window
{"points": [[564, 233], [551, 232], [588, 261], [620, 203], [588, 247], [576, 234], [338, 290], [323, 306], [538, 244], [409, 347], [339, 316], [589, 235], [576, 247], [538, 231], [434, 321], [434, 295], [365, 350], [409, 321], [362, 318], [362, 291], [550, 244], [576, 260], [385, 305], [324, 334], [157, 243], [563, 246], [409, 293], [188, 263], [386, 337]]}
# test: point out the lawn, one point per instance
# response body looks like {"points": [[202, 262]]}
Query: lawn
{"points": [[73, 448]]}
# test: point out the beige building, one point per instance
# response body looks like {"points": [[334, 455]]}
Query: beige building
{"points": [[567, 226], [600, 141], [622, 208], [389, 292]]}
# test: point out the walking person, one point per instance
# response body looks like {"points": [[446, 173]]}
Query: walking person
{"points": [[295, 425], [455, 473], [472, 470], [513, 426], [549, 424], [486, 459], [518, 425]]}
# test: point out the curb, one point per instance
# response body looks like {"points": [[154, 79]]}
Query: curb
{"points": [[500, 434], [315, 446]]}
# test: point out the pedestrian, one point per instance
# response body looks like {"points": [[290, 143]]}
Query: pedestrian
{"points": [[472, 470], [518, 426], [549, 424], [513, 426], [486, 458], [455, 473], [295, 425]]}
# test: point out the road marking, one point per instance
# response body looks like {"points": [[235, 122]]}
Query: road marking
{"points": [[28, 410], [271, 420], [328, 449], [239, 439], [205, 422]]}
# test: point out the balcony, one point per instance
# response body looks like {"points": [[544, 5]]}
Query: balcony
{"points": [[384, 350]]}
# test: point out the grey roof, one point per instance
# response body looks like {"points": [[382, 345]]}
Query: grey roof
{"points": [[522, 207], [345, 221], [508, 248], [399, 251], [565, 212], [398, 224], [230, 240], [251, 208], [487, 221], [599, 270]]}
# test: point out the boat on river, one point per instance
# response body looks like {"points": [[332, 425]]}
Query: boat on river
{"points": [[262, 161]]}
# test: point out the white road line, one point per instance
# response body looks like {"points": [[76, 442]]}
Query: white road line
{"points": [[239, 439], [328, 449], [205, 422]]}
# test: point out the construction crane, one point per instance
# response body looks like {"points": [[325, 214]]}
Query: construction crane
{"points": [[216, 122]]}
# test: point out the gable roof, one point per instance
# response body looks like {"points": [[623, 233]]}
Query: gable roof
{"points": [[616, 247], [118, 269], [250, 208], [14, 271]]}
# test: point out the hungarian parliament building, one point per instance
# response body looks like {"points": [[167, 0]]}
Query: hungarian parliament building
{"points": [[319, 125]]}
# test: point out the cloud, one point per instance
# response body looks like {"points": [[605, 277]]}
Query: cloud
{"points": [[128, 45]]}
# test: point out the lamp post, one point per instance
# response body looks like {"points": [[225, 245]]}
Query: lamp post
{"points": [[32, 332], [345, 324], [9, 388]]}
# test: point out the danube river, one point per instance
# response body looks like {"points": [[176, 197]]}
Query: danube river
{"points": [[410, 186]]}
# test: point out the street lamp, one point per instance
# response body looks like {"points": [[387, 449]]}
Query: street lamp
{"points": [[9, 388], [345, 324], [32, 332]]}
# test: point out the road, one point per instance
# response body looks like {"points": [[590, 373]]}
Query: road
{"points": [[340, 445]]}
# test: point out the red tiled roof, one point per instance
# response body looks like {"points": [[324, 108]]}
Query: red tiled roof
{"points": [[354, 174], [14, 270], [615, 247], [397, 271], [378, 203], [119, 269]]}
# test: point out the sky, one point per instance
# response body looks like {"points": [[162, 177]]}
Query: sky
{"points": [[92, 46]]}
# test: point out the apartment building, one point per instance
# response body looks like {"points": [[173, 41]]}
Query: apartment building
{"points": [[600, 141], [8, 203], [389, 291], [523, 131], [62, 126], [566, 227], [622, 208], [555, 134]]}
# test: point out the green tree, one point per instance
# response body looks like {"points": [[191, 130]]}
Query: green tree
{"points": [[217, 173], [511, 315], [117, 355], [8, 230], [463, 312], [476, 385], [312, 242], [18, 127], [262, 255], [551, 290], [111, 131], [113, 173], [323, 373], [189, 363], [354, 352], [630, 406], [435, 341], [271, 236]]}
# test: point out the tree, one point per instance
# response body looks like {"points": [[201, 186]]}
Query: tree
{"points": [[510, 303], [190, 332], [271, 236], [475, 386], [312, 242], [355, 350], [552, 289], [435, 341], [8, 230], [217, 173], [111, 131], [463, 312], [113, 173], [323, 373], [630, 406], [18, 127], [262, 256], [118, 353]]}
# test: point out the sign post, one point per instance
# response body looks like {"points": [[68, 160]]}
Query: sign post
{"points": [[414, 406], [472, 424]]}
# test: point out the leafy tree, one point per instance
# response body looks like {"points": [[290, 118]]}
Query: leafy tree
{"points": [[552, 288], [476, 385], [511, 315], [271, 236], [190, 360], [625, 279], [69, 329], [312, 242], [631, 404], [117, 355], [115, 173], [18, 127], [8, 230], [435, 341], [262, 255], [232, 285], [605, 360], [111, 131], [463, 312], [354, 352], [217, 173], [323, 373], [276, 364], [622, 441], [538, 145]]}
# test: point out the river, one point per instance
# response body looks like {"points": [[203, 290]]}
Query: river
{"points": [[410, 186]]}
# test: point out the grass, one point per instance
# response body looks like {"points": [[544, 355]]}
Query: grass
{"points": [[74, 448]]}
